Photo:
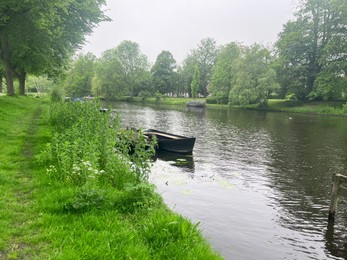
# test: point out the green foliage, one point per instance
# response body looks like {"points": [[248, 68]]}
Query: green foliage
{"points": [[291, 97], [311, 51], [223, 71], [254, 80], [195, 82], [122, 71], [138, 198], [169, 234], [344, 108], [163, 73], [57, 94], [205, 57], [85, 200], [43, 217], [144, 94], [158, 96], [85, 148], [39, 84], [39, 37], [79, 79], [217, 100]]}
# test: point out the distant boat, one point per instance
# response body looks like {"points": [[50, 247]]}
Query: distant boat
{"points": [[171, 142], [195, 104]]}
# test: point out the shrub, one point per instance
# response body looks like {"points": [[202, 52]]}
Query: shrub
{"points": [[344, 108], [217, 100], [57, 94]]}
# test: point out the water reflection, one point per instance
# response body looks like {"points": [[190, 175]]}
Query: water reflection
{"points": [[196, 110], [334, 244], [183, 161], [259, 182]]}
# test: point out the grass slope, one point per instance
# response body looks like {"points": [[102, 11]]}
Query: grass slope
{"points": [[34, 222]]}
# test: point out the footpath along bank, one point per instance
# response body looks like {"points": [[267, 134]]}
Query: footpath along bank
{"points": [[66, 194]]}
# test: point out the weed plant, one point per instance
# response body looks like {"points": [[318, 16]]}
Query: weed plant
{"points": [[94, 199], [89, 147]]}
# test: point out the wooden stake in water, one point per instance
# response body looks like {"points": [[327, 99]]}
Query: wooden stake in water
{"points": [[337, 189]]}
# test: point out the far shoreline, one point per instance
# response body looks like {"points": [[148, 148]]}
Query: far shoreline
{"points": [[315, 108]]}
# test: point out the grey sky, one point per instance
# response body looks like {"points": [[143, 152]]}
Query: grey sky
{"points": [[179, 25]]}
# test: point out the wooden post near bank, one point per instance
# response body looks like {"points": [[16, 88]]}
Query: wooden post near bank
{"points": [[339, 188]]}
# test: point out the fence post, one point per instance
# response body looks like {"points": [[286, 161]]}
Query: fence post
{"points": [[339, 188], [334, 197]]}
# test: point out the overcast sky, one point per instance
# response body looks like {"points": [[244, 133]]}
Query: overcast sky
{"points": [[179, 25]]}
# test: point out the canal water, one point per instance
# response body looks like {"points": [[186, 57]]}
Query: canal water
{"points": [[258, 182]]}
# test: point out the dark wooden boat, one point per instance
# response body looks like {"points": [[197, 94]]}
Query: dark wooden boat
{"points": [[171, 142]]}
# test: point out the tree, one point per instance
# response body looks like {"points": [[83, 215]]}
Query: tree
{"points": [[2, 73], [254, 79], [105, 81], [163, 73], [122, 70], [39, 36], [205, 56], [79, 79], [180, 82], [312, 50], [133, 65], [195, 82], [39, 84], [1, 83], [223, 72]]}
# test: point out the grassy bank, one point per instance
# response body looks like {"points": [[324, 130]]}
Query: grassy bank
{"points": [[279, 105], [315, 107], [82, 196]]}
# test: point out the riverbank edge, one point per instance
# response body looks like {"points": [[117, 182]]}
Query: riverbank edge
{"points": [[28, 229], [274, 105]]}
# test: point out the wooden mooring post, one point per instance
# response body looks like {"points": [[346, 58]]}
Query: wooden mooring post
{"points": [[339, 188]]}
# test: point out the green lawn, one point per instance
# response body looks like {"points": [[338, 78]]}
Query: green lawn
{"points": [[46, 218], [280, 105]]}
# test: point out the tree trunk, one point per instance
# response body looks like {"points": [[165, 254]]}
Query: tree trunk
{"points": [[22, 77], [0, 83], [8, 66]]}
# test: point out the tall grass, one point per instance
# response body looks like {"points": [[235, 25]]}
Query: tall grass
{"points": [[90, 147], [94, 198]]}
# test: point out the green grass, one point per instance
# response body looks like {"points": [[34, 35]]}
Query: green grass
{"points": [[162, 100], [280, 105], [314, 107], [19, 117], [46, 217]]}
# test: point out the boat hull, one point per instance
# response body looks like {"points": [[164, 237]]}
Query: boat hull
{"points": [[171, 142]]}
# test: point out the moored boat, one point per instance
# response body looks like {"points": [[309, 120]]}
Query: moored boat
{"points": [[171, 142]]}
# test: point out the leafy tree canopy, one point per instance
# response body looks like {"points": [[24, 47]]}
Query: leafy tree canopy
{"points": [[312, 59], [254, 79], [223, 71], [163, 72], [205, 56], [40, 36]]}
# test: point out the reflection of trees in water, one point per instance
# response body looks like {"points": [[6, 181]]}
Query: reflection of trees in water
{"points": [[304, 158]]}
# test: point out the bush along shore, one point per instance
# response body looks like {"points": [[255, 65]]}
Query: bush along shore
{"points": [[74, 185], [333, 108]]}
